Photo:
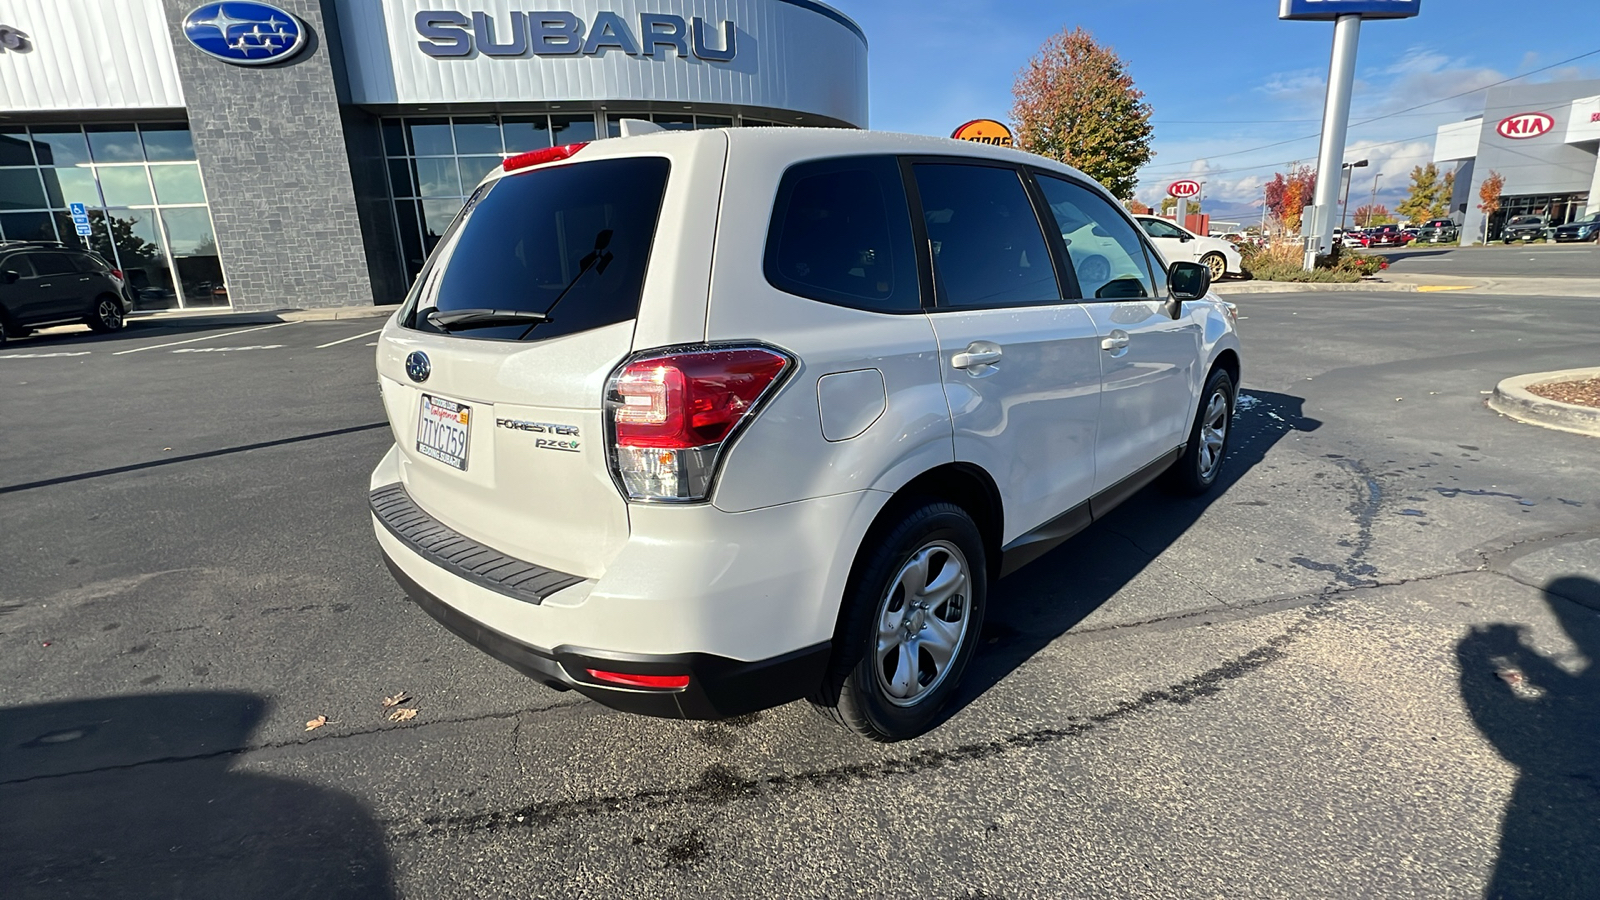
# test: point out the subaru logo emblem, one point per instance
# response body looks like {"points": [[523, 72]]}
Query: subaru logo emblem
{"points": [[417, 366], [244, 33]]}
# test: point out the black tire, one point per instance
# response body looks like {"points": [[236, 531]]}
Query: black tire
{"points": [[858, 692], [1218, 264], [1203, 456], [107, 315]]}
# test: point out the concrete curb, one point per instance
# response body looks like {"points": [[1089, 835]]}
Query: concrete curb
{"points": [[1512, 398], [1304, 287]]}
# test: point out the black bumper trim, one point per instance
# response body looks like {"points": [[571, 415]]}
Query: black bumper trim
{"points": [[719, 687], [460, 555]]}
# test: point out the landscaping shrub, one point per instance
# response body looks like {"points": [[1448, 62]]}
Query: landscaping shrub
{"points": [[1281, 261]]}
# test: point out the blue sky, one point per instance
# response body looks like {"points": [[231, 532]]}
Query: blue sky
{"points": [[1225, 75]]}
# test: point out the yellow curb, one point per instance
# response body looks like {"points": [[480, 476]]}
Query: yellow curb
{"points": [[1443, 287]]}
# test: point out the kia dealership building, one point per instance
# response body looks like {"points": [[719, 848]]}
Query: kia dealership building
{"points": [[305, 153], [1544, 139]]}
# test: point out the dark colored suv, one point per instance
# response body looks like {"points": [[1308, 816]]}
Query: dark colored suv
{"points": [[1524, 228], [52, 284]]}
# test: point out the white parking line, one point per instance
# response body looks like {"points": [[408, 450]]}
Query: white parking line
{"points": [[203, 338], [43, 355], [227, 349], [350, 338]]}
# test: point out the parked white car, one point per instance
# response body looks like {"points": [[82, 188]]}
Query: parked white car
{"points": [[698, 423], [1179, 244]]}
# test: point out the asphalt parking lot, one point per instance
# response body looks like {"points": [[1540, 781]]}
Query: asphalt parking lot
{"points": [[1368, 666], [1514, 260]]}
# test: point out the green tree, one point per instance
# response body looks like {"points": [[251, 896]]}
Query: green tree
{"points": [[1418, 207], [1168, 204], [1076, 103], [1440, 208]]}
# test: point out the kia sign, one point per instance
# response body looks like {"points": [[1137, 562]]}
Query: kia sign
{"points": [[1181, 189], [1327, 10], [1524, 125], [984, 131]]}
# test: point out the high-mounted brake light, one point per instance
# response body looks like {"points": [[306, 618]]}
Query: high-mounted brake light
{"points": [[535, 157], [672, 415], [655, 682]]}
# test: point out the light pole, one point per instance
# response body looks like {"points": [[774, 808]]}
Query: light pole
{"points": [[1373, 206], [1349, 176]]}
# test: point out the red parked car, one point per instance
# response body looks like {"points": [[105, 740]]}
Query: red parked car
{"points": [[1385, 236]]}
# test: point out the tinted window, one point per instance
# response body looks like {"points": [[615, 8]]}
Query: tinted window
{"points": [[84, 262], [841, 233], [1106, 252], [53, 263], [18, 263], [585, 229], [988, 249]]}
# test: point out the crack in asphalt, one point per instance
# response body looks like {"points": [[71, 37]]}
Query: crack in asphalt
{"points": [[720, 785]]}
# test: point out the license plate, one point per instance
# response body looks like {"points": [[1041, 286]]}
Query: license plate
{"points": [[443, 429]]}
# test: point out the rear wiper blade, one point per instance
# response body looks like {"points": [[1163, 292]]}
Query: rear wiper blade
{"points": [[461, 319]]}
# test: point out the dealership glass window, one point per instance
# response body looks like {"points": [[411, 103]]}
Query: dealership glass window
{"points": [[524, 133], [431, 137], [114, 144], [14, 147], [141, 188], [477, 135]]}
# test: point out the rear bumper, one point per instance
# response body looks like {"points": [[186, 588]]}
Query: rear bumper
{"points": [[718, 686]]}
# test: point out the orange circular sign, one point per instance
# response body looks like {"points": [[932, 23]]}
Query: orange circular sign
{"points": [[984, 131]]}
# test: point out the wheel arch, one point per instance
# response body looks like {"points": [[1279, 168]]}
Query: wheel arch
{"points": [[1228, 361]]}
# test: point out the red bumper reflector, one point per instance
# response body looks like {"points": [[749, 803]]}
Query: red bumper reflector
{"points": [[655, 682], [535, 157]]}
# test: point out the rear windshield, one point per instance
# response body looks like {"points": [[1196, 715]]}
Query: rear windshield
{"points": [[570, 241], [1525, 220]]}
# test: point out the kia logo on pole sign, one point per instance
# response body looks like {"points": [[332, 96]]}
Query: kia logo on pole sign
{"points": [[1183, 189], [1524, 125]]}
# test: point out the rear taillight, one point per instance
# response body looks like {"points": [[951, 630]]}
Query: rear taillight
{"points": [[117, 273], [548, 154], [671, 415], [651, 682]]}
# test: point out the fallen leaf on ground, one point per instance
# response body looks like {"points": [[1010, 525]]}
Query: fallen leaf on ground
{"points": [[316, 723], [402, 715], [396, 700]]}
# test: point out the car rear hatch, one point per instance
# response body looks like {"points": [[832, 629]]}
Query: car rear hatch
{"points": [[497, 411]]}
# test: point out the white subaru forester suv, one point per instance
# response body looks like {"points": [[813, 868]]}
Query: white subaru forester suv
{"points": [[698, 423]]}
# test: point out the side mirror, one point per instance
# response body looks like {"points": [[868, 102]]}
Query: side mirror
{"points": [[9, 276], [1186, 281], [1184, 238]]}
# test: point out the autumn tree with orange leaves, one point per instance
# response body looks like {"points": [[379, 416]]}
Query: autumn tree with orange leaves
{"points": [[1288, 195], [1076, 103]]}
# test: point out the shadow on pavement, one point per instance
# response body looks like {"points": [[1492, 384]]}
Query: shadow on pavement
{"points": [[1545, 720], [134, 797], [1043, 601], [77, 337]]}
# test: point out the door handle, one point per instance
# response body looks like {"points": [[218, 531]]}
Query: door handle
{"points": [[1118, 340], [45, 285], [978, 353]]}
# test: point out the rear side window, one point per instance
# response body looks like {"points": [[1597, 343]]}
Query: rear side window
{"points": [[579, 233], [53, 264], [18, 263], [841, 234], [988, 249], [91, 264]]}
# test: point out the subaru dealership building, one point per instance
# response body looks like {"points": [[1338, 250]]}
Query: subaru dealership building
{"points": [[1543, 139], [305, 153]]}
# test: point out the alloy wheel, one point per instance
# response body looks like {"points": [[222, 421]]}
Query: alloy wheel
{"points": [[110, 314], [922, 622], [1213, 434], [1218, 267]]}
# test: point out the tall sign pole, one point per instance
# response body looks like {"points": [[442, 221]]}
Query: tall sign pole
{"points": [[1346, 16], [1335, 120]]}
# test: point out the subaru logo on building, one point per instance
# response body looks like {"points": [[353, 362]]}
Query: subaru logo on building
{"points": [[417, 366], [243, 33]]}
